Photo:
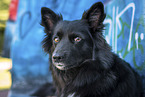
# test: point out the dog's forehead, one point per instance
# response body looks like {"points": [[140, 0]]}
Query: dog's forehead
{"points": [[71, 26]]}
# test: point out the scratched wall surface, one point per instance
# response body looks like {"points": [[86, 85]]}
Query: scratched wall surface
{"points": [[125, 32]]}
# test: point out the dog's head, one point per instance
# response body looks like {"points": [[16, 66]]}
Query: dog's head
{"points": [[70, 43]]}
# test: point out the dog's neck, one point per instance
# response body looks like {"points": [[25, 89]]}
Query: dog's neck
{"points": [[66, 77]]}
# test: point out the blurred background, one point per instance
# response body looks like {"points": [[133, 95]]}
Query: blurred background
{"points": [[24, 66], [5, 63]]}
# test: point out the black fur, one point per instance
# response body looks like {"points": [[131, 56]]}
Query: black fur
{"points": [[81, 61]]}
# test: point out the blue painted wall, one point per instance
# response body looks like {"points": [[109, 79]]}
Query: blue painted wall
{"points": [[125, 32]]}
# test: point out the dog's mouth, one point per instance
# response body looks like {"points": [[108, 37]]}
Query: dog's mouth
{"points": [[62, 66]]}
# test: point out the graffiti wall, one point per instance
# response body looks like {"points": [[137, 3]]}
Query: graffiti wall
{"points": [[124, 31]]}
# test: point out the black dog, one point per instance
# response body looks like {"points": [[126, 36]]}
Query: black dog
{"points": [[81, 61]]}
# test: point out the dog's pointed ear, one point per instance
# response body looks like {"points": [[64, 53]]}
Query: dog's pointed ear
{"points": [[49, 18], [95, 15]]}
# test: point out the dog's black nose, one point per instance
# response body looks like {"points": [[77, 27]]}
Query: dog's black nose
{"points": [[58, 58]]}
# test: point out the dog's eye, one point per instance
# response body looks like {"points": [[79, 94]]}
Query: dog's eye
{"points": [[56, 39], [77, 39]]}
